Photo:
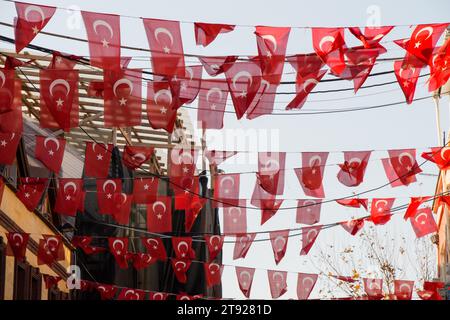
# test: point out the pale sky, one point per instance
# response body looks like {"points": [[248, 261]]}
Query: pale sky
{"points": [[394, 127]]}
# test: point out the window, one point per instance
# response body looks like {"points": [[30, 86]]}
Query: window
{"points": [[2, 268], [35, 284], [21, 281]]}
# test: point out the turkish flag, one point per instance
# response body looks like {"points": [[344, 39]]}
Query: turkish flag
{"points": [[188, 85], [182, 162], [311, 173], [244, 80], [142, 260], [354, 202], [119, 249], [162, 105], [226, 189], [180, 267], [235, 219], [373, 288], [50, 250], [407, 76], [205, 33], [308, 211], [353, 169], [212, 103], [63, 61], [103, 33], [59, 99], [31, 19], [135, 156], [380, 210], [68, 196], [9, 141], [267, 202], [214, 244], [423, 222], [439, 67], [329, 45], [440, 156], [264, 100], [277, 283], [353, 226], [97, 159], [271, 167], [404, 164], [122, 98], [309, 236], [192, 208], [8, 90], [371, 36], [242, 244], [217, 65], [414, 204], [51, 281], [245, 279], [157, 296], [424, 39], [30, 191], [305, 285], [360, 64], [159, 215], [145, 190], [50, 151], [11, 118], [430, 290], [217, 157], [403, 289], [303, 86], [122, 208], [279, 240], [129, 294], [164, 38], [107, 291], [272, 43], [106, 189], [213, 274], [17, 244], [155, 248], [305, 64], [84, 243], [182, 247]]}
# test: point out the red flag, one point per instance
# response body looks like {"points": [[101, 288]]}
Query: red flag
{"points": [[271, 171], [123, 98], [403, 289], [305, 64], [226, 189], [353, 169], [213, 274], [242, 245], [162, 106], [182, 247], [164, 38], [103, 32], [303, 86], [50, 151], [51, 281], [311, 173], [267, 202], [8, 90], [277, 283], [59, 99], [305, 285], [30, 191], [106, 189], [180, 267], [17, 244], [373, 288], [107, 291], [157, 296], [309, 236], [354, 202], [430, 290], [440, 156], [360, 64], [407, 76], [235, 219], [264, 100], [372, 36], [423, 222], [279, 240], [353, 226], [9, 141], [380, 210], [217, 65], [50, 250], [404, 164], [31, 19], [84, 243], [192, 208], [159, 215], [145, 190], [217, 157], [11, 119], [329, 45], [142, 260], [155, 248], [122, 208], [211, 103], [119, 249], [414, 204], [272, 43], [97, 159], [131, 294], [244, 80], [439, 67], [134, 157], [63, 61], [205, 33], [182, 162], [68, 196], [188, 85], [308, 211], [245, 279], [214, 244], [423, 40]]}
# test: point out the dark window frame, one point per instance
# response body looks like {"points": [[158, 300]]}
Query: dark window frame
{"points": [[2, 268], [21, 293], [35, 291]]}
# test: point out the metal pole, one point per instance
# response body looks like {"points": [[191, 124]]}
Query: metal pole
{"points": [[438, 120]]}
